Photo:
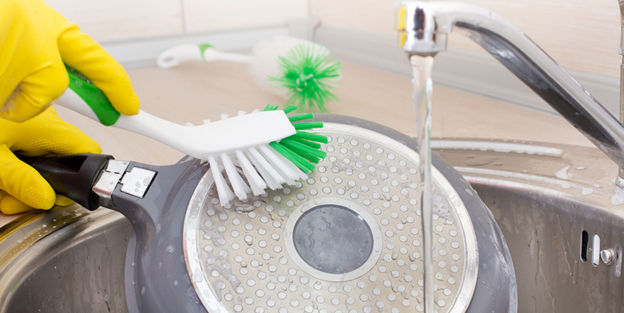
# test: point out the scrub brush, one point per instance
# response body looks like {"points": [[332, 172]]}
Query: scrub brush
{"points": [[271, 148], [298, 70]]}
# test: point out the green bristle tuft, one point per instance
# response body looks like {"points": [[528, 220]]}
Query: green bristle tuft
{"points": [[304, 153], [296, 159], [305, 142], [310, 137], [307, 125], [301, 117], [290, 108], [303, 148], [308, 157], [294, 145], [309, 76], [270, 107]]}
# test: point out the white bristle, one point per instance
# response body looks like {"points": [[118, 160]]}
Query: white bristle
{"points": [[273, 179], [225, 193], [289, 175], [189, 124], [275, 170], [238, 184], [224, 116], [262, 167], [256, 182], [240, 113], [206, 121]]}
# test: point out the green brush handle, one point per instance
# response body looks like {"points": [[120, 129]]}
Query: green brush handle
{"points": [[94, 102]]}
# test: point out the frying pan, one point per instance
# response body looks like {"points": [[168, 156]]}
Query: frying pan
{"points": [[345, 240]]}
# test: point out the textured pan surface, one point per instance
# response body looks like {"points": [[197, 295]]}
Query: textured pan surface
{"points": [[348, 239]]}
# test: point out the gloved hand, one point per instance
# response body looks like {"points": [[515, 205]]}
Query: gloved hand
{"points": [[35, 41], [22, 187]]}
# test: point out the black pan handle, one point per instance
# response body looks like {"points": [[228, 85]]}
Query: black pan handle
{"points": [[72, 176]]}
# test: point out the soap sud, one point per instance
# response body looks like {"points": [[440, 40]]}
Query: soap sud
{"points": [[441, 208], [563, 173], [618, 196], [216, 261], [216, 287]]}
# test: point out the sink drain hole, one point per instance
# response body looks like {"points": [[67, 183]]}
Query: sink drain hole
{"points": [[584, 245]]}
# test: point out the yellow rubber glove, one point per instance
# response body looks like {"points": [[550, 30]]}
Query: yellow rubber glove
{"points": [[35, 40], [22, 186]]}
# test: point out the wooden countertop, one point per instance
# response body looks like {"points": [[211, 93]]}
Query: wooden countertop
{"points": [[193, 92]]}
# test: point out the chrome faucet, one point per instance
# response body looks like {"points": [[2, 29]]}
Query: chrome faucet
{"points": [[423, 30]]}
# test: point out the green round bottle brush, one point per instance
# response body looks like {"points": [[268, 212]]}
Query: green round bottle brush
{"points": [[300, 71]]}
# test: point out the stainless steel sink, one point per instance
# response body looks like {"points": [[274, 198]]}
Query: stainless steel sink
{"points": [[558, 209], [551, 202], [65, 260]]}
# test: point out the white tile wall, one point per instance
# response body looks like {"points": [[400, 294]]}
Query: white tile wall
{"points": [[113, 20], [581, 35], [207, 15]]}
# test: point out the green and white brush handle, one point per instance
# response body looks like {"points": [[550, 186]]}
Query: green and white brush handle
{"points": [[180, 54], [197, 141], [247, 140]]}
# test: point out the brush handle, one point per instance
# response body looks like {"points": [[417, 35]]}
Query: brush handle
{"points": [[226, 135], [210, 55], [87, 99], [180, 54], [143, 123]]}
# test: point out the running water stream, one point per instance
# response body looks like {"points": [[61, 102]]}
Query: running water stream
{"points": [[421, 95]]}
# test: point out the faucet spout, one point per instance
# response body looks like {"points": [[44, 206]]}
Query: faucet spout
{"points": [[519, 54]]}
